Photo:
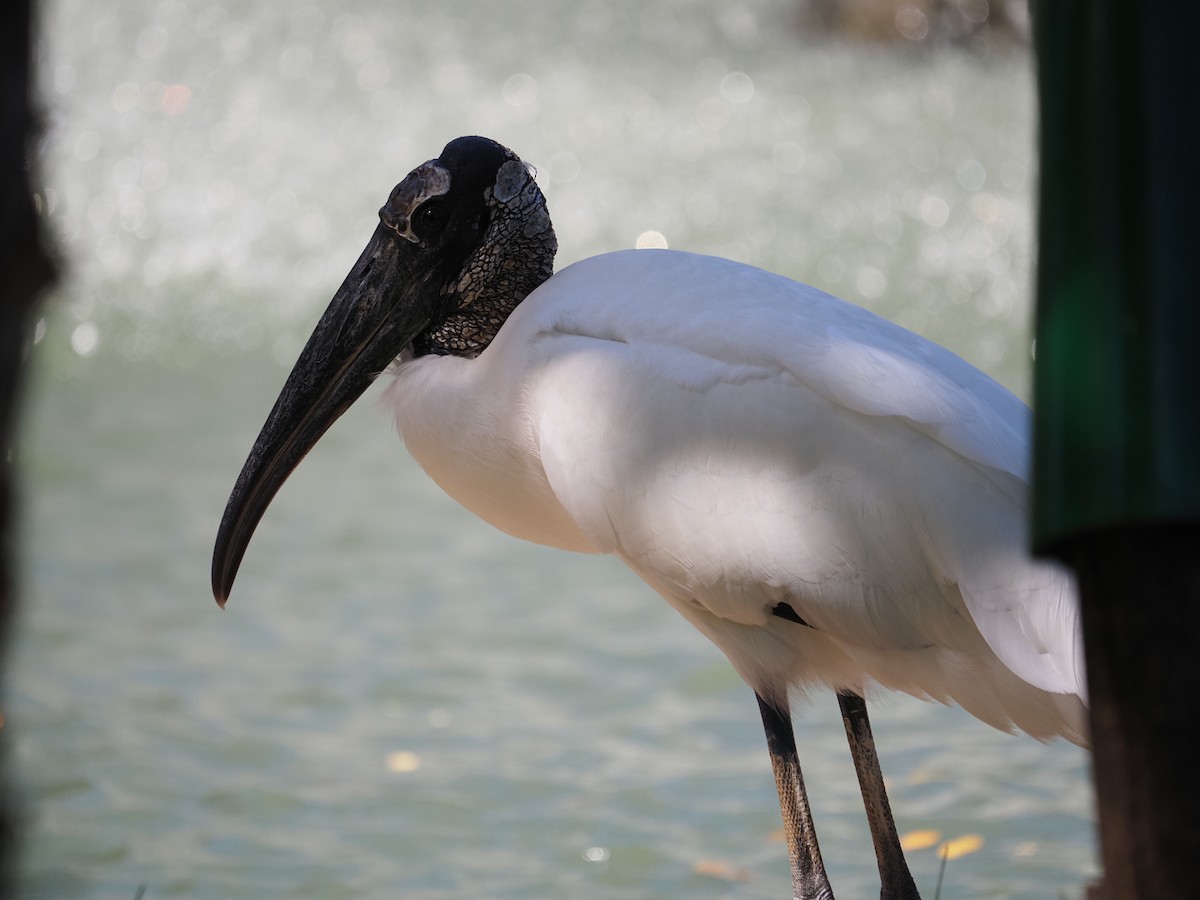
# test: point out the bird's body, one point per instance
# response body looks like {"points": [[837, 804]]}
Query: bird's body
{"points": [[833, 500], [741, 440]]}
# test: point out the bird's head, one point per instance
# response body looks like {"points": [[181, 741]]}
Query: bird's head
{"points": [[460, 242]]}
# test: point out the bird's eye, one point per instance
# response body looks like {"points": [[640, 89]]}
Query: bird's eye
{"points": [[430, 218]]}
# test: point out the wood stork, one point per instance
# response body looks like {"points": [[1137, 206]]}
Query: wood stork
{"points": [[831, 499]]}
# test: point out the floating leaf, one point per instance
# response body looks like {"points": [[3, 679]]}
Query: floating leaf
{"points": [[714, 868], [920, 840], [403, 761], [960, 846]]}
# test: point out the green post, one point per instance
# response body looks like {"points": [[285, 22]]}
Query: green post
{"points": [[1117, 407]]}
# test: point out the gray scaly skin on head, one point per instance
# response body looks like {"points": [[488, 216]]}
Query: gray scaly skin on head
{"points": [[515, 255]]}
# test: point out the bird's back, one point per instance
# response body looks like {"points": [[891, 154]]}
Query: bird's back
{"points": [[743, 441]]}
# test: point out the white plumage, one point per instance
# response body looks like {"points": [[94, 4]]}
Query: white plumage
{"points": [[741, 440]]}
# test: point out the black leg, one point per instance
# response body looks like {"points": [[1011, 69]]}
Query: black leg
{"points": [[895, 881], [809, 881]]}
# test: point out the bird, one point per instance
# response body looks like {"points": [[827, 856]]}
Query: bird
{"points": [[836, 502]]}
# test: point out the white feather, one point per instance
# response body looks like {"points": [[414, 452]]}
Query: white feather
{"points": [[741, 440]]}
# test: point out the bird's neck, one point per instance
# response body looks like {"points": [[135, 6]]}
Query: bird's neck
{"points": [[469, 330], [495, 280]]}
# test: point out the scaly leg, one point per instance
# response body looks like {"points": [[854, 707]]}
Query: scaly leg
{"points": [[895, 881], [809, 881]]}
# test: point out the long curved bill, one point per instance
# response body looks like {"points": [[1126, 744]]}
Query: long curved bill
{"points": [[385, 301]]}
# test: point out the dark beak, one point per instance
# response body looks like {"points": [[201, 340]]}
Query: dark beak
{"points": [[388, 298]]}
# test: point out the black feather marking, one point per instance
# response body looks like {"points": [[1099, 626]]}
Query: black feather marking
{"points": [[785, 611]]}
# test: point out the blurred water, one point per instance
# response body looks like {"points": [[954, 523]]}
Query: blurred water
{"points": [[399, 701]]}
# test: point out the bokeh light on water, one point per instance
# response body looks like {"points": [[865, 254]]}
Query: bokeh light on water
{"points": [[229, 162], [399, 701]]}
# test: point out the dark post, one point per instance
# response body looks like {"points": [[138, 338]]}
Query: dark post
{"points": [[1117, 408], [24, 271]]}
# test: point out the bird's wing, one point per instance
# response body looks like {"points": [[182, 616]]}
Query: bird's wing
{"points": [[743, 440]]}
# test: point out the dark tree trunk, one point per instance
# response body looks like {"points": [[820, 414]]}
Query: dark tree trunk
{"points": [[1117, 408], [1142, 629], [24, 271]]}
